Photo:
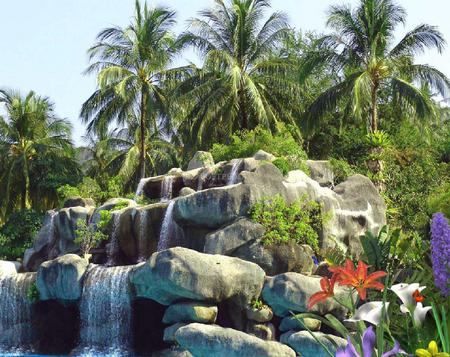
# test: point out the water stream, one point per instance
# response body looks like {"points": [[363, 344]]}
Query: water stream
{"points": [[16, 333], [105, 312], [234, 172], [166, 188], [141, 234], [112, 248]]}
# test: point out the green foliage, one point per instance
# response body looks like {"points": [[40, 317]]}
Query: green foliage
{"points": [[120, 205], [17, 233], [299, 222], [281, 144], [341, 169], [378, 139], [282, 164], [33, 293], [439, 199], [334, 256], [257, 304], [90, 236]]}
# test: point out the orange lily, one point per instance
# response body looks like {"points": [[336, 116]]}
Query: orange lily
{"points": [[327, 286], [358, 278]]}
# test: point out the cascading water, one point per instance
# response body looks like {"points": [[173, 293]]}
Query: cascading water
{"points": [[140, 188], [105, 312], [167, 228], [113, 246], [166, 188], [141, 235], [16, 333], [234, 173]]}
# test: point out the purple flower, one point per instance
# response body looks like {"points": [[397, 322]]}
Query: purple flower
{"points": [[368, 346], [440, 252]]}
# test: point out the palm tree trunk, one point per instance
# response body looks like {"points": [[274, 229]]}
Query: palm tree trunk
{"points": [[243, 110], [25, 202], [142, 136], [374, 118]]}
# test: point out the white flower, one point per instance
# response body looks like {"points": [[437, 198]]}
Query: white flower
{"points": [[406, 294], [370, 312], [420, 313]]}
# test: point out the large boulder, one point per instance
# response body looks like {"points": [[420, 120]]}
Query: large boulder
{"points": [[61, 278], [226, 240], [263, 156], [291, 292], [321, 171], [298, 323], [180, 273], [172, 352], [307, 346], [210, 340], [78, 202], [201, 159], [190, 312], [66, 225]]}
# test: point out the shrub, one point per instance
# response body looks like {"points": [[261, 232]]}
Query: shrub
{"points": [[281, 144], [282, 165], [341, 170], [299, 222], [90, 236], [18, 232], [439, 199]]}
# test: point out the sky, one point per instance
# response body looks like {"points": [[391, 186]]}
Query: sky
{"points": [[43, 43]]}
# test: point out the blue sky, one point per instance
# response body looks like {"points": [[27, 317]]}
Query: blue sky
{"points": [[44, 42]]}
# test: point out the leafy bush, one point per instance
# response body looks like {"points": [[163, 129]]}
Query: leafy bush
{"points": [[90, 236], [18, 232], [299, 222], [282, 164], [439, 199], [247, 143], [33, 293], [341, 170]]}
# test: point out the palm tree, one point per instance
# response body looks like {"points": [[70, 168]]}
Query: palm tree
{"points": [[242, 82], [131, 63], [361, 49], [29, 131]]}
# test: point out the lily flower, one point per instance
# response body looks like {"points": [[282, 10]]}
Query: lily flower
{"points": [[327, 286], [368, 346], [358, 278], [370, 312], [432, 351], [412, 300]]}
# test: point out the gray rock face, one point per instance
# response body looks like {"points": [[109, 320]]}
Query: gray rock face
{"points": [[201, 159], [190, 312], [66, 224], [264, 331], [61, 278], [169, 332], [263, 155], [304, 344], [226, 240], [264, 314], [277, 259], [8, 268], [292, 323], [185, 191], [79, 202], [291, 292], [172, 352], [322, 172], [209, 340], [179, 273]]}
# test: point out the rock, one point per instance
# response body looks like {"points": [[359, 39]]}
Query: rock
{"points": [[226, 240], [263, 314], [152, 187], [291, 292], [78, 201], [262, 155], [111, 205], [190, 312], [201, 159], [278, 258], [305, 345], [61, 278], [322, 270], [321, 171], [186, 191], [210, 340], [172, 352], [180, 273], [292, 323], [65, 227], [169, 332], [174, 171], [264, 331], [8, 268]]}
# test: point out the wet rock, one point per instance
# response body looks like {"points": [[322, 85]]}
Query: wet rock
{"points": [[292, 323], [264, 314], [190, 312], [304, 344]]}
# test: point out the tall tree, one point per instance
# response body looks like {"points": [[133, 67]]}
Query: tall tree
{"points": [[29, 131], [242, 82], [131, 63], [361, 49]]}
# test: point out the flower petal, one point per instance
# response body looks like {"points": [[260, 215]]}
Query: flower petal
{"points": [[368, 342], [423, 353], [370, 312], [394, 351], [420, 313], [433, 348], [316, 298]]}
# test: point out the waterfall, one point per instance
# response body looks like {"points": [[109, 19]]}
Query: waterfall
{"points": [[167, 228], [16, 333], [113, 246], [140, 188], [166, 188], [141, 235], [105, 312], [234, 172]]}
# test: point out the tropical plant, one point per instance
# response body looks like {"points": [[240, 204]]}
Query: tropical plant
{"points": [[29, 132], [242, 82], [361, 50], [131, 64]]}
